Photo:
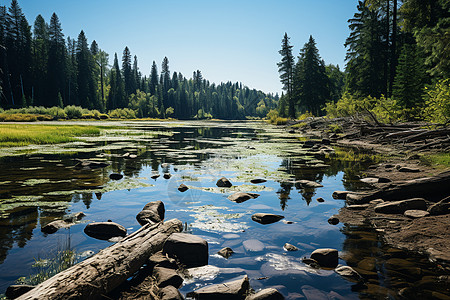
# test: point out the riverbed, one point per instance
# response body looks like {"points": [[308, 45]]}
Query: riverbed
{"points": [[39, 184]]}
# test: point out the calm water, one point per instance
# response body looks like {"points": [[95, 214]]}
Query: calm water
{"points": [[40, 185]]}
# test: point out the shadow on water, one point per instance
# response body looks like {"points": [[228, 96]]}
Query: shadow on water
{"points": [[38, 188]]}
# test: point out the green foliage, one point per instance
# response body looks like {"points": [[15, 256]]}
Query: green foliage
{"points": [[122, 113], [286, 70], [275, 119], [437, 102], [440, 160], [73, 112]]}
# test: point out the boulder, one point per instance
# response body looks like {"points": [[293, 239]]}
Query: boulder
{"points": [[115, 176], [54, 226], [304, 184], [16, 290], [311, 262], [153, 212], [170, 293], [225, 252], [188, 249], [167, 175], [240, 197], [415, 213], [320, 199], [440, 208], [349, 273], [161, 260], [333, 221], [91, 164], [326, 257], [166, 276], [290, 247], [342, 195], [183, 188], [257, 180], [223, 182], [105, 230], [265, 218], [236, 289], [399, 207], [266, 294]]}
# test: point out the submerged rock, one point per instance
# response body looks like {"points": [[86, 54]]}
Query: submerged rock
{"points": [[253, 245], [266, 294], [236, 289], [225, 252], [54, 226], [320, 199], [326, 257], [265, 218], [91, 164], [223, 182], [153, 212], [105, 230], [183, 188], [167, 176], [303, 184], [190, 250], [154, 176], [399, 207], [333, 221], [240, 197]]}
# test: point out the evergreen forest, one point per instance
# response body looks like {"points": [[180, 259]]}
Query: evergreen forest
{"points": [[397, 66], [42, 68]]}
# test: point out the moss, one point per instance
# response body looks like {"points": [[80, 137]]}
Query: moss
{"points": [[439, 160]]}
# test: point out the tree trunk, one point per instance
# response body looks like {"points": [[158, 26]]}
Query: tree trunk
{"points": [[103, 272]]}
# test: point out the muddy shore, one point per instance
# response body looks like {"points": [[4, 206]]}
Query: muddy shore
{"points": [[427, 235]]}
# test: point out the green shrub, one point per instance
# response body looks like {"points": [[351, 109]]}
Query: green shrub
{"points": [[122, 113], [437, 102], [57, 112], [73, 112]]}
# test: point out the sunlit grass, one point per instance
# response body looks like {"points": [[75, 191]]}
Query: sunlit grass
{"points": [[441, 160], [12, 135]]}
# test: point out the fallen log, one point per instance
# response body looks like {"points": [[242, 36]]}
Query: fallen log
{"points": [[428, 188], [101, 273]]}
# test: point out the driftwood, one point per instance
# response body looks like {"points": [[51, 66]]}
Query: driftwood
{"points": [[428, 188], [101, 273]]}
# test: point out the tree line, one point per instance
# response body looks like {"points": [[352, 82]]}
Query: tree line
{"points": [[39, 67], [397, 51]]}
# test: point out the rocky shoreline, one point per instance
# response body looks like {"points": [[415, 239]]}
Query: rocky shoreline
{"points": [[422, 232]]}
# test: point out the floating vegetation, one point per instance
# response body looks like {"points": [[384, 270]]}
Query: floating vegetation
{"points": [[208, 218]]}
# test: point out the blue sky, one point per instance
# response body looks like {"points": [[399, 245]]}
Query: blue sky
{"points": [[227, 40]]}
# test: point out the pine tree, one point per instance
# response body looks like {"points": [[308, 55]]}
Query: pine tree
{"points": [[116, 97], [57, 72], [153, 82], [87, 86], [286, 70], [410, 78], [311, 84], [40, 59], [126, 71]]}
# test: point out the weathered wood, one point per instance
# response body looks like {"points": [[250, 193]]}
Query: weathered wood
{"points": [[101, 273]]}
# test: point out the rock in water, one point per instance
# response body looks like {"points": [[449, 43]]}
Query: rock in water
{"points": [[320, 199], [340, 195], [240, 197], [265, 218], [257, 180], [165, 277], [183, 188], [153, 212], [105, 230], [349, 273], [91, 164], [190, 250], [326, 257], [333, 221], [231, 290], [223, 182], [115, 176], [54, 226], [225, 252], [290, 247], [167, 176], [266, 294]]}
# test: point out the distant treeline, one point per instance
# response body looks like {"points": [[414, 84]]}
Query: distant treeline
{"points": [[397, 63], [39, 67]]}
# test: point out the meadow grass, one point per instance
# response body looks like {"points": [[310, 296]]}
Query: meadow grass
{"points": [[440, 160], [12, 135]]}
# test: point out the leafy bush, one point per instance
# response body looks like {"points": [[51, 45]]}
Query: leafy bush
{"points": [[73, 112], [122, 113], [57, 112], [437, 102]]}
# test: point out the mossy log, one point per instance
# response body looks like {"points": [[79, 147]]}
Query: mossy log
{"points": [[106, 270]]}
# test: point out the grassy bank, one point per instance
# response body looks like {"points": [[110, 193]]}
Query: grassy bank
{"points": [[12, 135]]}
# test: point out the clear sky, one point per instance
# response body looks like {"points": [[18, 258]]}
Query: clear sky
{"points": [[232, 40]]}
